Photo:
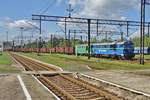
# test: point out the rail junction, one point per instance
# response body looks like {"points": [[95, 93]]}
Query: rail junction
{"points": [[65, 86]]}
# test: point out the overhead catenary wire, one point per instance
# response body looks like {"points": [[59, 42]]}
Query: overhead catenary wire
{"points": [[45, 4], [50, 5]]}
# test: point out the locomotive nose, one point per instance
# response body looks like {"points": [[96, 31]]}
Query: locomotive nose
{"points": [[128, 53]]}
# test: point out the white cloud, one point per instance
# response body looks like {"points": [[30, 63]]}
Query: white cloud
{"points": [[135, 34], [15, 25], [112, 9], [58, 2]]}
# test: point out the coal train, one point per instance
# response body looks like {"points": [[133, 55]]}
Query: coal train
{"points": [[119, 50]]}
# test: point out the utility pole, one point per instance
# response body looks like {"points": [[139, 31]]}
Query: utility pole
{"points": [[74, 37], [148, 30], [39, 43], [69, 10], [142, 30], [51, 40], [97, 27], [106, 36], [89, 47], [13, 48], [81, 39], [7, 36], [65, 32], [127, 29], [21, 28], [121, 33], [69, 39]]}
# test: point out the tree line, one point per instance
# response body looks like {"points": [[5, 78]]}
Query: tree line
{"points": [[61, 42]]}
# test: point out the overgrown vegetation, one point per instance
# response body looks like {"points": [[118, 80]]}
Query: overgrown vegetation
{"points": [[4, 59], [10, 70], [61, 42], [80, 63], [136, 41], [57, 42]]}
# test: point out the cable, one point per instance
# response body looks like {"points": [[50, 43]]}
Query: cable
{"points": [[44, 6], [32, 25], [50, 5], [60, 28]]}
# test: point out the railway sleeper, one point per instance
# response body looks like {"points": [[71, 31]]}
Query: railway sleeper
{"points": [[78, 93], [75, 88], [88, 97], [83, 91], [99, 98], [50, 84], [97, 91]]}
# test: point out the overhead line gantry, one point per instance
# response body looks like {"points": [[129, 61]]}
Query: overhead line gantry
{"points": [[88, 22]]}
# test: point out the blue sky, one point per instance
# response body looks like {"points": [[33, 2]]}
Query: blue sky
{"points": [[23, 9], [14, 12]]}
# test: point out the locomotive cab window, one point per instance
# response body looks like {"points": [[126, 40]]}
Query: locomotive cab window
{"points": [[121, 45], [105, 46], [113, 46], [86, 47], [98, 46]]}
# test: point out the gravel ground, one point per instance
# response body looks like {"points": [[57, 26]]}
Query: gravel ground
{"points": [[36, 91], [10, 88], [123, 78]]}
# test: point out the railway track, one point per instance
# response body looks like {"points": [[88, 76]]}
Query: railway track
{"points": [[31, 65], [67, 87]]}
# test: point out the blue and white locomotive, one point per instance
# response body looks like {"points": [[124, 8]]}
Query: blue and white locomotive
{"points": [[120, 50]]}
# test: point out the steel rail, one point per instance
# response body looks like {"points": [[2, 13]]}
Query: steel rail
{"points": [[26, 64], [91, 88], [63, 94], [60, 92], [35, 64], [23, 63]]}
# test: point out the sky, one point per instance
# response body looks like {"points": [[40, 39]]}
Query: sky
{"points": [[18, 13]]}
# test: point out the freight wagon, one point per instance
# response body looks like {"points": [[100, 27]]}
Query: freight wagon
{"points": [[119, 50]]}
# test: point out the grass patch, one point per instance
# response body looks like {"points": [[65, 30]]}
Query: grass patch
{"points": [[145, 56], [143, 73], [72, 62], [4, 59], [4, 70]]}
